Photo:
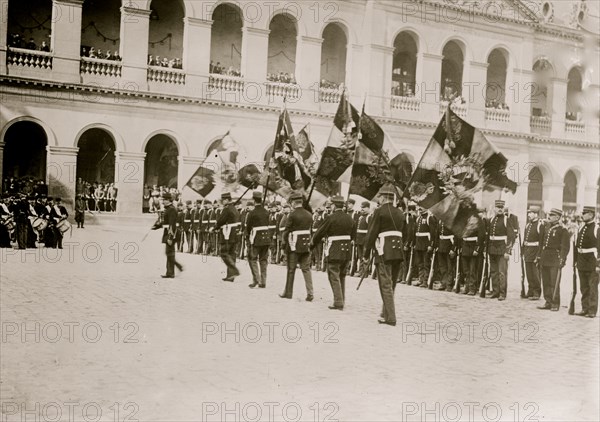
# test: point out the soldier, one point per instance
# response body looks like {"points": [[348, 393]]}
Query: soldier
{"points": [[31, 234], [80, 210], [500, 241], [385, 234], [212, 215], [195, 229], [205, 226], [59, 213], [552, 256], [273, 232], [586, 258], [169, 224], [446, 252], [285, 212], [257, 235], [534, 231], [229, 223], [317, 254], [180, 226], [297, 238], [5, 216], [360, 235], [425, 232], [187, 225], [338, 227], [410, 226], [472, 246]]}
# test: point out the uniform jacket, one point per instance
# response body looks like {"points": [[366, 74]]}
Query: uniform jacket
{"points": [[500, 226], [229, 215], [385, 218], [425, 223], [362, 226], [534, 230], [555, 246], [169, 223], [338, 223], [588, 237], [478, 231], [445, 240], [299, 219], [258, 217]]}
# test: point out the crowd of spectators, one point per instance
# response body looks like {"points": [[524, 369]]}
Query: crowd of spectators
{"points": [[574, 117], [286, 78], [497, 105], [94, 53], [165, 62], [152, 195], [330, 85], [100, 197], [221, 70], [26, 185], [18, 41]]}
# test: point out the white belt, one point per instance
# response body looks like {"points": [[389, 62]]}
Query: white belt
{"points": [[332, 239], [422, 234], [212, 221], [165, 226], [587, 250], [361, 231], [470, 239], [498, 237], [272, 227], [227, 229], [446, 236], [380, 242], [256, 230], [294, 237], [187, 221], [532, 243]]}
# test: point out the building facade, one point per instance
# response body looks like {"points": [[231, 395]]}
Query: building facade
{"points": [[135, 92]]}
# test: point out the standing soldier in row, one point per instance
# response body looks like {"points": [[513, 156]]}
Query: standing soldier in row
{"points": [[338, 228], [534, 231], [410, 227], [196, 222], [385, 235], [587, 246], [317, 254], [500, 241], [446, 252], [284, 215], [297, 239], [552, 257], [180, 226], [257, 235], [273, 231], [424, 237], [472, 248], [228, 223], [362, 226]]}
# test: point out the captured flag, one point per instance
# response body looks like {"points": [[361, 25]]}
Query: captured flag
{"points": [[249, 175], [202, 181], [458, 162]]}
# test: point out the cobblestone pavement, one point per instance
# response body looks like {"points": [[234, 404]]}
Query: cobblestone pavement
{"points": [[95, 334]]}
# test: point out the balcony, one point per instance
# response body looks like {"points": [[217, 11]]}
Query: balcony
{"points": [[493, 114], [281, 89], [166, 75], [406, 103], [32, 59], [540, 124], [574, 127], [218, 81], [100, 67], [330, 95], [460, 109]]}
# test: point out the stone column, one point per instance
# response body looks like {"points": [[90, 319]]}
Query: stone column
{"points": [[1, 166], [559, 107], [553, 196], [135, 29], [308, 70], [61, 171], [590, 115], [129, 179], [380, 86], [428, 86], [519, 98], [474, 92], [187, 167], [3, 38], [589, 195], [196, 54], [66, 39], [255, 48]]}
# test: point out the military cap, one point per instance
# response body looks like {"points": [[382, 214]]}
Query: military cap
{"points": [[296, 196], [387, 190], [556, 211], [499, 203], [534, 208], [167, 196], [226, 195], [351, 201], [57, 199], [365, 204], [198, 201], [338, 200], [589, 209], [257, 195], [412, 207], [188, 202]]}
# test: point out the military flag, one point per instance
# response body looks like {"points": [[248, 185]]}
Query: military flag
{"points": [[203, 181], [458, 163]]}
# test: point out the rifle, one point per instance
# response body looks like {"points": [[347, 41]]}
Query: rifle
{"points": [[523, 294], [572, 304], [430, 278], [410, 263], [483, 280], [365, 271], [457, 275]]}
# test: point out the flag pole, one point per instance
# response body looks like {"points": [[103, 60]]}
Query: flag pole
{"points": [[265, 187]]}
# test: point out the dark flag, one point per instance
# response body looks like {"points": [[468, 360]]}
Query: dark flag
{"points": [[458, 163], [202, 181], [249, 175]]}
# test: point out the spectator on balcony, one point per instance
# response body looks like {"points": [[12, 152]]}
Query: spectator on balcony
{"points": [[108, 55], [92, 53], [151, 61], [45, 47], [178, 64], [31, 45], [164, 62], [15, 40], [99, 54]]}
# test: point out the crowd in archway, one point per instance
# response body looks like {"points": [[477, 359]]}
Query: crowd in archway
{"points": [[165, 62], [152, 194], [219, 69], [283, 77], [96, 196], [18, 41], [97, 53], [27, 185]]}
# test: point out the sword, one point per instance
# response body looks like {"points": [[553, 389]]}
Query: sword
{"points": [[430, 278], [457, 275], [410, 264], [365, 272]]}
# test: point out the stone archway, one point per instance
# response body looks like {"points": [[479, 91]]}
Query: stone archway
{"points": [[24, 155]]}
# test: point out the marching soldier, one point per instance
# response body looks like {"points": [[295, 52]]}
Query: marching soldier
{"points": [[210, 234], [169, 225], [257, 235], [217, 210], [534, 231], [472, 246], [425, 233], [500, 241], [588, 265], [297, 239], [385, 235], [483, 256], [446, 252], [228, 223], [552, 256], [338, 228], [317, 254]]}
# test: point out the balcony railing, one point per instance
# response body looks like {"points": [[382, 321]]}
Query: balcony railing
{"points": [[541, 123], [497, 114], [29, 58], [330, 95], [459, 109], [406, 103], [225, 82], [574, 126], [280, 89], [166, 75], [100, 67]]}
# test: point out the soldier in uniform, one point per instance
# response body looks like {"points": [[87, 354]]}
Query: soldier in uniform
{"points": [[338, 227], [587, 246], [425, 232], [169, 225], [361, 226], [228, 223], [5, 215], [446, 252], [472, 246], [317, 253], [59, 213], [552, 256], [273, 232], [410, 226], [500, 241], [385, 235], [280, 229], [186, 226], [180, 226], [204, 228], [297, 239], [195, 230], [534, 231], [257, 235]]}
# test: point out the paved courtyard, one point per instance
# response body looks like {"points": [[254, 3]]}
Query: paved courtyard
{"points": [[93, 333]]}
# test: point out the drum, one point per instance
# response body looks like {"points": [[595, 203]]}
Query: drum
{"points": [[63, 226], [9, 222], [39, 224]]}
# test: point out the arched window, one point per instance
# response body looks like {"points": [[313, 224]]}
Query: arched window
{"points": [[574, 95], [25, 151], [404, 67], [30, 24], [226, 40], [162, 164], [100, 27], [452, 70], [96, 157], [333, 57], [570, 192], [535, 189], [281, 62], [495, 93], [540, 94], [165, 43]]}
